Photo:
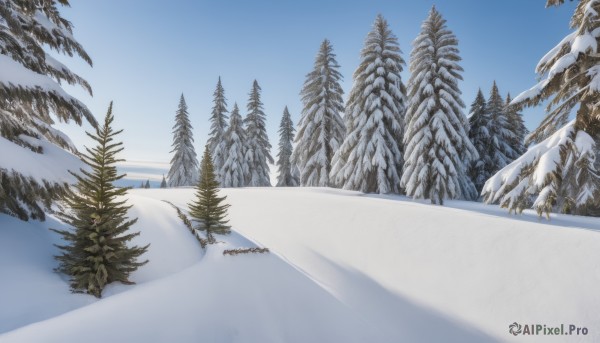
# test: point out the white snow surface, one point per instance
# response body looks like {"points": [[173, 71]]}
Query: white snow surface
{"points": [[530, 93], [344, 267], [546, 152], [584, 43], [15, 75], [53, 165], [48, 25]]}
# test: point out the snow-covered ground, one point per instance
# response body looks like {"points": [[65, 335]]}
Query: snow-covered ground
{"points": [[344, 267]]}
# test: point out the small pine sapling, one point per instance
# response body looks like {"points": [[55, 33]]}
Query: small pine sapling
{"points": [[208, 209], [95, 252]]}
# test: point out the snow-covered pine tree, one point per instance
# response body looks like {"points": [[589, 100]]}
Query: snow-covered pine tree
{"points": [[480, 169], [501, 135], [517, 127], [235, 168], [259, 148], [218, 125], [163, 183], [147, 184], [208, 209], [96, 251], [560, 172], [31, 100], [184, 164], [287, 176], [370, 157], [320, 129], [438, 149]]}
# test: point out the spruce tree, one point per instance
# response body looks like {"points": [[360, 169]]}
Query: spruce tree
{"points": [[208, 209], [560, 172], [501, 135], [481, 169], [235, 168], [259, 148], [163, 183], [370, 157], [142, 185], [147, 184], [320, 129], [438, 149], [516, 126], [287, 176], [218, 125], [96, 251], [32, 100], [184, 164]]}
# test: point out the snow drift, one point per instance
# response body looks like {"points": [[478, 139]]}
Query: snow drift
{"points": [[344, 267]]}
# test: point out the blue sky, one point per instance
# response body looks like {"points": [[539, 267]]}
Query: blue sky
{"points": [[146, 53]]}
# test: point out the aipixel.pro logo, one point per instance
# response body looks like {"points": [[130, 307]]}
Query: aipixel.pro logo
{"points": [[516, 329]]}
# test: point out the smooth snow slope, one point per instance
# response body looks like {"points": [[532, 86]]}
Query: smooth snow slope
{"points": [[462, 272], [345, 267], [181, 295]]}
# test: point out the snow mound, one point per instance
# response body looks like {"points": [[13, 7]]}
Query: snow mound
{"points": [[344, 267]]}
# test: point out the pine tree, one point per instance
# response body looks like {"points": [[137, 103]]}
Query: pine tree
{"points": [[501, 135], [32, 99], [516, 126], [163, 183], [438, 149], [370, 157], [235, 167], [218, 125], [481, 169], [184, 165], [320, 129], [207, 209], [287, 175], [147, 184], [258, 153], [560, 172], [142, 185], [96, 251]]}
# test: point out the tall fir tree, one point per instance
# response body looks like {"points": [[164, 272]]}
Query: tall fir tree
{"points": [[370, 157], [501, 135], [184, 164], [320, 129], [208, 209], [235, 168], [516, 126], [32, 99], [259, 148], [96, 251], [163, 183], [287, 174], [218, 125], [438, 149], [481, 169], [560, 172], [147, 184]]}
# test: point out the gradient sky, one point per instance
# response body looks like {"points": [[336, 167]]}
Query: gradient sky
{"points": [[146, 53]]}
